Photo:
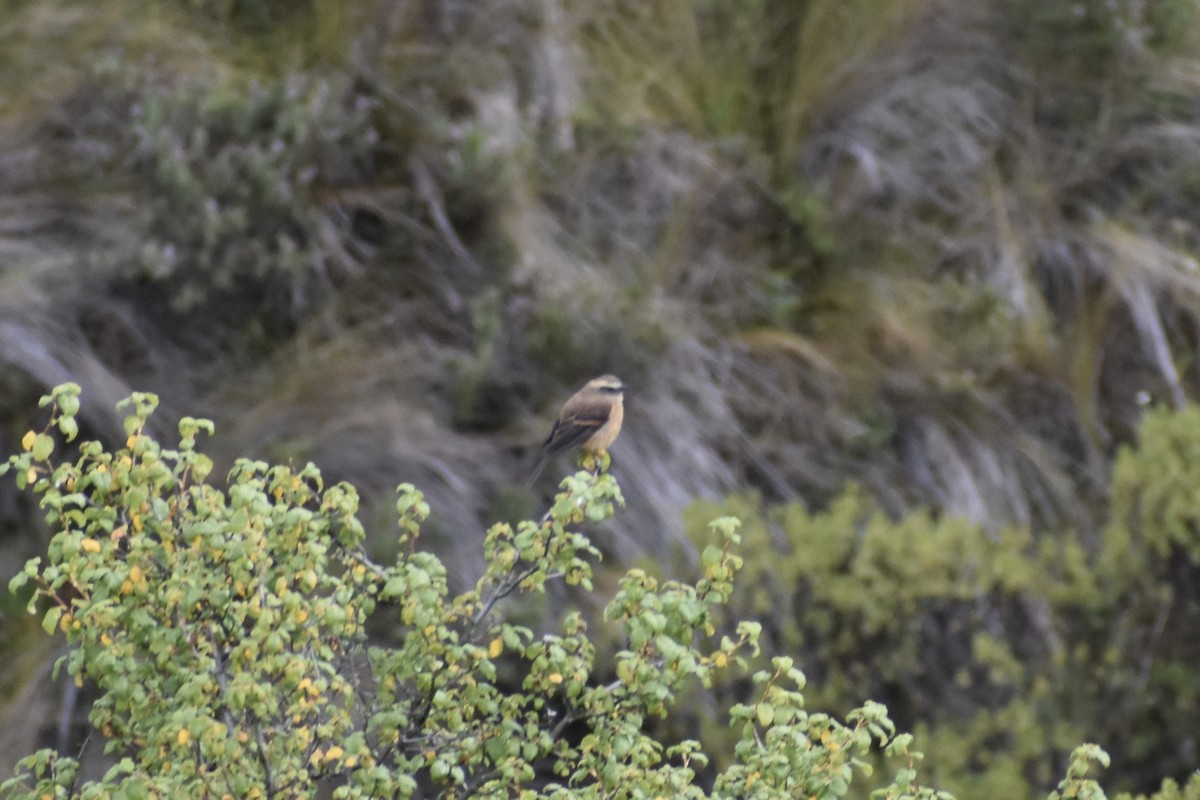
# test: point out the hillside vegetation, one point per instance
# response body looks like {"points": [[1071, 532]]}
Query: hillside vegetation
{"points": [[896, 282]]}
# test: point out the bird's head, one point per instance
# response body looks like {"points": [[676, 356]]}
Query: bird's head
{"points": [[606, 384]]}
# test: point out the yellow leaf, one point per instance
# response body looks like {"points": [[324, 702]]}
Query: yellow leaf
{"points": [[27, 441], [90, 545], [496, 647], [183, 736], [556, 677], [334, 753]]}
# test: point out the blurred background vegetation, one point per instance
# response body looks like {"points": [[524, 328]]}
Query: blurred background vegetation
{"points": [[895, 280]]}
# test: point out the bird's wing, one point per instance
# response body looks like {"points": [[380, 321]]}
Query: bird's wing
{"points": [[576, 426]]}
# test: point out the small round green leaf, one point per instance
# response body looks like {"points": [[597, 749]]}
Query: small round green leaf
{"points": [[43, 445]]}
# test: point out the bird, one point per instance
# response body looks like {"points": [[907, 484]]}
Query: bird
{"points": [[590, 419]]}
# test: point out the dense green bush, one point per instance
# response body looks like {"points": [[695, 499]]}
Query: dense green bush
{"points": [[226, 632], [238, 174], [1080, 40], [1002, 648]]}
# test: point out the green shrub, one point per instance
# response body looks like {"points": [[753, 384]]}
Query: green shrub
{"points": [[1001, 649], [225, 630], [1083, 39], [1171, 791], [237, 174]]}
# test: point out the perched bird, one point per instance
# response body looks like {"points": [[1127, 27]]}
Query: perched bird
{"points": [[590, 419]]}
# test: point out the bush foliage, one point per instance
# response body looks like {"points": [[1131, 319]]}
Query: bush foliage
{"points": [[226, 631], [238, 174], [1001, 648]]}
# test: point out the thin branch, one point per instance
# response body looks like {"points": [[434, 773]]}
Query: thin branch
{"points": [[223, 683], [264, 761], [502, 590]]}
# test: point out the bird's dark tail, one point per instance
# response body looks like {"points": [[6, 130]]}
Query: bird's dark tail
{"points": [[543, 457]]}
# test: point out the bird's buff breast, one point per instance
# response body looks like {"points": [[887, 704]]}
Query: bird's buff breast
{"points": [[606, 433]]}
